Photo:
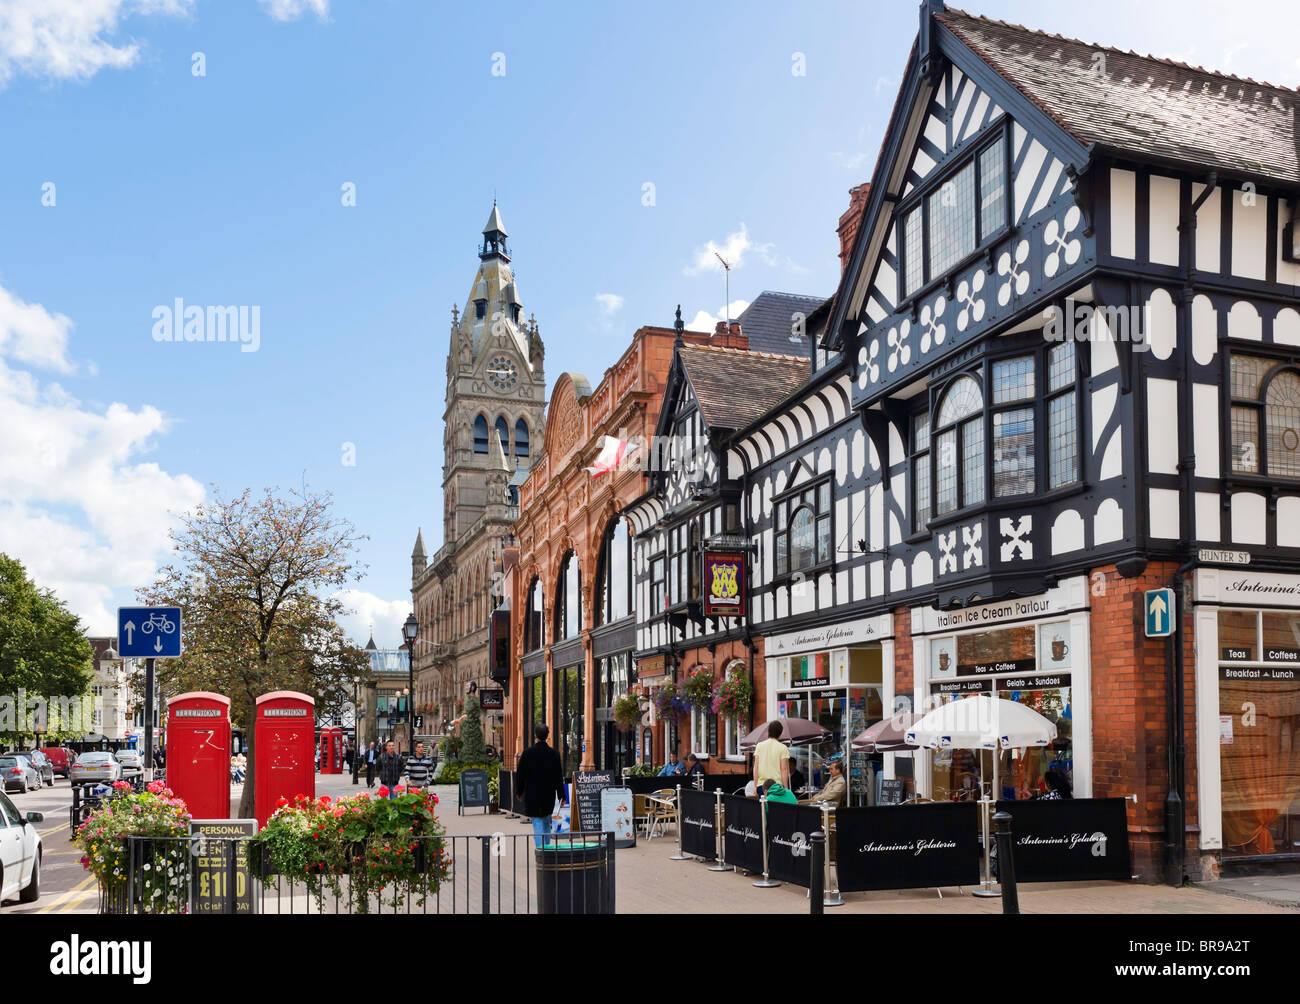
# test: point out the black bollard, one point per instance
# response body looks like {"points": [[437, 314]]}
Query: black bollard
{"points": [[1006, 863], [817, 883]]}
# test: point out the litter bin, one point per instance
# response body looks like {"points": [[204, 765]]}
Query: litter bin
{"points": [[574, 875]]}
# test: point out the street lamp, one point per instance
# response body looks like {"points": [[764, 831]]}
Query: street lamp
{"points": [[409, 630]]}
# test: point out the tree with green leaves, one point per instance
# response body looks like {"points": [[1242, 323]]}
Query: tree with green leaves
{"points": [[472, 749], [255, 578], [45, 659]]}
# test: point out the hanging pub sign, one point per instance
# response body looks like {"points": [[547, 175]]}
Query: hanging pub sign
{"points": [[699, 829], [742, 837], [908, 846], [492, 699], [724, 584], [1066, 840]]}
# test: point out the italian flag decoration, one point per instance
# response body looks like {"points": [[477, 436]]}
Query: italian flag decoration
{"points": [[612, 452]]}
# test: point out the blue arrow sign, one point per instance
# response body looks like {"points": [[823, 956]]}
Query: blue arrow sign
{"points": [[1159, 607], [149, 632]]}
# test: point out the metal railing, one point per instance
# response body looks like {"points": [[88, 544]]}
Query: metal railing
{"points": [[492, 873]]}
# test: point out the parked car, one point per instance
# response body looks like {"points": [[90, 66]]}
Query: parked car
{"points": [[95, 767], [18, 773], [20, 853], [42, 764], [60, 758], [131, 762]]}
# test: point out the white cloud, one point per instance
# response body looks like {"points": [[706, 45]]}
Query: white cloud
{"points": [[610, 303], [78, 505], [70, 39], [367, 610], [291, 10], [733, 250], [704, 321]]}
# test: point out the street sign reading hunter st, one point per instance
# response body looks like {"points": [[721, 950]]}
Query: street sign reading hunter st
{"points": [[1159, 607], [149, 632]]}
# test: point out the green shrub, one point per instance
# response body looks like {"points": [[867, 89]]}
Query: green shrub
{"points": [[449, 773]]}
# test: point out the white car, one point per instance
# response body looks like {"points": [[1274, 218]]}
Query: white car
{"points": [[20, 853]]}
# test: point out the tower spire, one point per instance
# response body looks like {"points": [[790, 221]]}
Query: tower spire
{"points": [[494, 237]]}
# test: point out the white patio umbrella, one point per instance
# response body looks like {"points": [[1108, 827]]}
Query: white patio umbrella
{"points": [[981, 722]]}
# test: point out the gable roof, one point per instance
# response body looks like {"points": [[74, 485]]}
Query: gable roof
{"points": [[1151, 107], [735, 387], [767, 322]]}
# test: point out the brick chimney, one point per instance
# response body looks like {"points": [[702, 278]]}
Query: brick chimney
{"points": [[851, 220], [729, 337]]}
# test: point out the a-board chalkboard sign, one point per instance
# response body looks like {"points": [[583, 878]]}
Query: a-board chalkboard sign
{"points": [[219, 887], [616, 806], [891, 791], [587, 786], [473, 789]]}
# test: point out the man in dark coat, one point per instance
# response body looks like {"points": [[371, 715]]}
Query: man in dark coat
{"points": [[390, 767], [372, 755], [539, 775]]}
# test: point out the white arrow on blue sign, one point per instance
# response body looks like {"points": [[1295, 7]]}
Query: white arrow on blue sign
{"points": [[1159, 607], [149, 632]]}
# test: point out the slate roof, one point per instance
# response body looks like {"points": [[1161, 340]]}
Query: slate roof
{"points": [[1156, 108], [735, 387], [768, 320]]}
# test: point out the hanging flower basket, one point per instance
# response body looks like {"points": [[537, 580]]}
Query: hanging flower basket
{"points": [[669, 703], [733, 696], [697, 691], [627, 709]]}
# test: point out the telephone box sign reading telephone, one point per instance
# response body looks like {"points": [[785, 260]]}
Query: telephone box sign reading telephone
{"points": [[284, 747], [198, 752]]}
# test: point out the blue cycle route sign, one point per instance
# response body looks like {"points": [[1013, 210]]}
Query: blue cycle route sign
{"points": [[1159, 607], [149, 632]]}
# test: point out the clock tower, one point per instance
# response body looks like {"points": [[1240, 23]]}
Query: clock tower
{"points": [[492, 429]]}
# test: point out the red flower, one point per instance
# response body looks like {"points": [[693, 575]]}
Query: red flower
{"points": [[383, 791]]}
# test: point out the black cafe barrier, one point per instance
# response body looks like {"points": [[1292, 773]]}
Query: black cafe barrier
{"points": [[698, 824], [506, 790], [908, 846], [1064, 840], [789, 828], [742, 837]]}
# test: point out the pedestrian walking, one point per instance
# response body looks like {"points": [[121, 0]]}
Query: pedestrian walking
{"points": [[390, 765], [372, 755], [540, 776], [419, 768], [772, 758]]}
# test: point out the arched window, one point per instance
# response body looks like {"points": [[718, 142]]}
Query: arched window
{"points": [[615, 574], [480, 435], [568, 600], [959, 447], [1265, 417], [521, 438], [534, 622], [503, 430], [803, 545], [1282, 424]]}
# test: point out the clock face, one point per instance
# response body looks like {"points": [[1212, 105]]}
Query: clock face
{"points": [[501, 372]]}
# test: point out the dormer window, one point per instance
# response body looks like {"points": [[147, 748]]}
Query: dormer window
{"points": [[947, 221], [514, 312], [480, 309]]}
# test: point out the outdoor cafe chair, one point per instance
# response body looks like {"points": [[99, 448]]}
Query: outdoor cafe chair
{"points": [[661, 811]]}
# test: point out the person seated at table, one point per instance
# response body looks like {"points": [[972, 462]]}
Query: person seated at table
{"points": [[777, 792], [1058, 786], [694, 766], [674, 767], [797, 778], [836, 789]]}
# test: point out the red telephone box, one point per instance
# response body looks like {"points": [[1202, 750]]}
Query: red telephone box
{"points": [[198, 752], [331, 750], [283, 740]]}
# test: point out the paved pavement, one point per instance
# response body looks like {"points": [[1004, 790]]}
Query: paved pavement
{"points": [[647, 882]]}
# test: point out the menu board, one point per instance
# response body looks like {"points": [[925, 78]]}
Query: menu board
{"points": [[616, 815], [587, 786], [859, 771], [473, 788], [891, 791]]}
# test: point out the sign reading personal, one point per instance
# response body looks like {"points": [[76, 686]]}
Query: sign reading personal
{"points": [[473, 788], [699, 832], [587, 786], [724, 584], [742, 836], [1069, 839], [908, 846], [219, 887], [789, 852]]}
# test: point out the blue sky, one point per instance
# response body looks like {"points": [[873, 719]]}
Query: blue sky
{"points": [[225, 188]]}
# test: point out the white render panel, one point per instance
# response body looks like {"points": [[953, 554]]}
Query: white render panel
{"points": [[1108, 523], [1244, 322], [936, 133], [1288, 272], [1205, 329], [1067, 532], [1112, 461], [842, 586], [1104, 356], [1162, 510], [877, 577], [876, 536], [841, 461], [1162, 324], [1248, 519], [825, 596], [1123, 214], [1103, 405], [1027, 175], [1205, 429], [1163, 210], [1162, 436], [976, 116], [1207, 516], [922, 569], [859, 452], [860, 582], [1286, 327], [1207, 230], [897, 576], [1288, 521], [1249, 230]]}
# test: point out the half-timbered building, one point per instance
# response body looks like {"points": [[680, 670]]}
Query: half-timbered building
{"points": [[1060, 371]]}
